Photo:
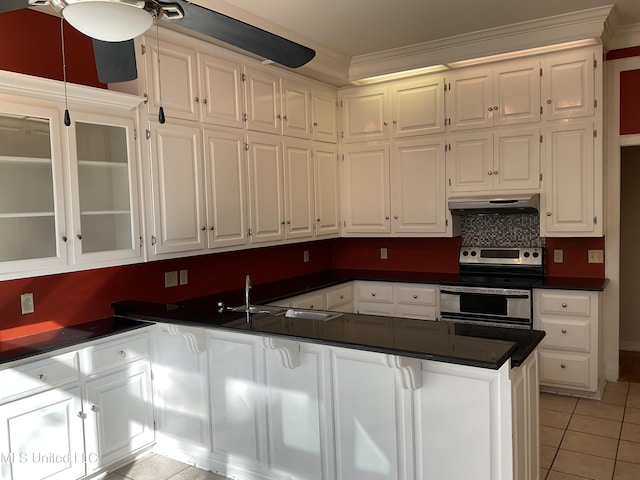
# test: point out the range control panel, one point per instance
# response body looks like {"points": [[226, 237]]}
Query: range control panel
{"points": [[530, 256]]}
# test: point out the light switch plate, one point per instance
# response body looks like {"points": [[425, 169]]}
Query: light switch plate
{"points": [[558, 256], [596, 256], [170, 279], [184, 277]]}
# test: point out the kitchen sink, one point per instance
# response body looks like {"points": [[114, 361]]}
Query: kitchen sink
{"points": [[311, 314], [261, 309]]}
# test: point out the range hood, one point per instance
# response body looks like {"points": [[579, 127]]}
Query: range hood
{"points": [[495, 204]]}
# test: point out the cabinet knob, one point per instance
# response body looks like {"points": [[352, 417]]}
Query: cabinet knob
{"points": [[564, 305], [317, 219], [315, 124], [94, 408], [548, 214], [79, 236], [42, 377], [489, 173], [373, 294], [197, 99], [415, 296], [250, 232], [387, 217], [203, 228], [395, 122], [284, 117], [81, 415], [396, 217], [288, 222], [495, 108], [495, 172], [549, 102], [122, 353], [212, 228], [341, 297], [490, 109], [311, 306], [64, 238], [562, 365], [278, 116], [204, 100], [564, 330]]}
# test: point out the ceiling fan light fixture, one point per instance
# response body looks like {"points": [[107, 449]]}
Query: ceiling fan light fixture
{"points": [[107, 20]]}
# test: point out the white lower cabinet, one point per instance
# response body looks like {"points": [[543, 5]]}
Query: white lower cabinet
{"points": [[571, 352], [282, 409], [73, 414], [407, 300]]}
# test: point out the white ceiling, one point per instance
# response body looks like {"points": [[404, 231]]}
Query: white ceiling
{"points": [[359, 27]]}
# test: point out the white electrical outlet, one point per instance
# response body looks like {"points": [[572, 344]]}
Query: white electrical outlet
{"points": [[596, 256], [26, 303], [184, 277], [383, 253], [305, 256], [558, 256], [170, 279]]}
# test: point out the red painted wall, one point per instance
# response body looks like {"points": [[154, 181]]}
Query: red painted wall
{"points": [[575, 257], [71, 298], [31, 44], [630, 107]]}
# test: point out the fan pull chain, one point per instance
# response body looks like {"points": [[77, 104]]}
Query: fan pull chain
{"points": [[161, 118], [67, 117]]}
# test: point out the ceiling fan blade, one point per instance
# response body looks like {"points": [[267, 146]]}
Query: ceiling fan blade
{"points": [[9, 5], [242, 35], [115, 61]]}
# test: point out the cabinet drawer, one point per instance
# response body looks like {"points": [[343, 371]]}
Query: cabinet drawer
{"points": [[39, 375], [339, 296], [417, 312], [563, 304], [418, 295], [567, 334], [115, 353], [569, 370], [375, 293]]}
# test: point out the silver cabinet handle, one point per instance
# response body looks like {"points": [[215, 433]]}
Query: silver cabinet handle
{"points": [[489, 173], [387, 217], [564, 305], [415, 296], [203, 228], [548, 214]]}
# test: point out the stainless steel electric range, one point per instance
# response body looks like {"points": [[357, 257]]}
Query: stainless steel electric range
{"points": [[495, 286]]}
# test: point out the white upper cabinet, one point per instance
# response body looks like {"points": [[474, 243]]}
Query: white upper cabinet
{"points": [[418, 186], [364, 176], [262, 91], [506, 94], [324, 112], [327, 190], [299, 189], [296, 108], [171, 79], [403, 108], [226, 187], [417, 106], [500, 159], [103, 187], [178, 187], [221, 101], [266, 188], [32, 220], [568, 84], [572, 203]]}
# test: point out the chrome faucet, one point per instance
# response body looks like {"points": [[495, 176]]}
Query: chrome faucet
{"points": [[247, 287]]}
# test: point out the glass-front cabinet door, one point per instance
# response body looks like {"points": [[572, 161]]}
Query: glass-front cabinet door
{"points": [[103, 188], [32, 229]]}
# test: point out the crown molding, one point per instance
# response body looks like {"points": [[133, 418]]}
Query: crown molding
{"points": [[569, 27], [625, 36]]}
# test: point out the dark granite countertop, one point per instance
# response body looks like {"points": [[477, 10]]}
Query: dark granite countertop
{"points": [[574, 283], [32, 345], [479, 346]]}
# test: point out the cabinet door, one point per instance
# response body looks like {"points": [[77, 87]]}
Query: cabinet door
{"points": [[516, 159], [568, 203], [470, 162], [325, 115], [41, 437], [226, 186], [299, 189], [365, 113], [568, 85], [222, 101], [365, 189], [327, 211], [178, 188], [516, 97], [418, 186], [171, 79], [263, 101], [119, 413], [32, 221], [104, 188], [298, 436], [236, 398], [296, 108], [367, 445], [470, 99], [266, 188], [418, 106]]}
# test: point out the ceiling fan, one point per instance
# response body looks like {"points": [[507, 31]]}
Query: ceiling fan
{"points": [[113, 39]]}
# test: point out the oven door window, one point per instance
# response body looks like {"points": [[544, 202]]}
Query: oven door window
{"points": [[483, 304]]}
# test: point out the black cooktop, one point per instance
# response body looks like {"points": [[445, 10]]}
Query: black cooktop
{"points": [[495, 281]]}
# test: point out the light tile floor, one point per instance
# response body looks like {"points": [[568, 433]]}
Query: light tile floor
{"points": [[579, 439], [591, 439]]}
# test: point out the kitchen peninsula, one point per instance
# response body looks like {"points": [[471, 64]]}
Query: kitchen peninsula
{"points": [[353, 397]]}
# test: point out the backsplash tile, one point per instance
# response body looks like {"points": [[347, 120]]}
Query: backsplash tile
{"points": [[500, 230]]}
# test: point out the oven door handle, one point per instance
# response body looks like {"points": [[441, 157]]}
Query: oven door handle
{"points": [[449, 292]]}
